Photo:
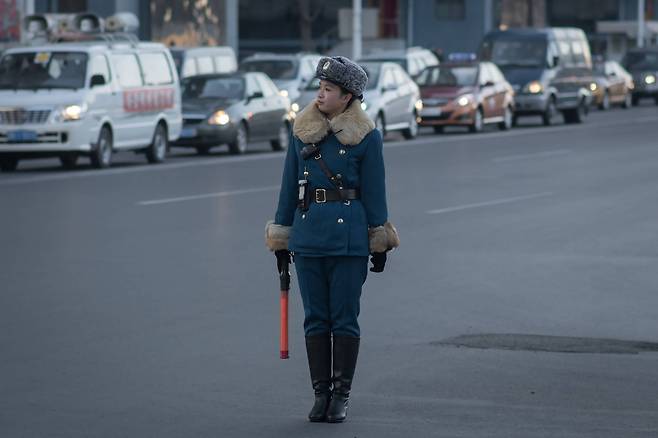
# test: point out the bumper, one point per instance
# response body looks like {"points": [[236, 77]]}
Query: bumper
{"points": [[530, 103], [202, 134], [47, 138], [449, 115]]}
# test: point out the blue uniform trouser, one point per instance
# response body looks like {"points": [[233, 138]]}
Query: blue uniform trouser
{"points": [[331, 290]]}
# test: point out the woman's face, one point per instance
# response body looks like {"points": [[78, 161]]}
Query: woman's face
{"points": [[330, 99]]}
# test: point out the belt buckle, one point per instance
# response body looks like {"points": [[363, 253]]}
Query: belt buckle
{"points": [[320, 199]]}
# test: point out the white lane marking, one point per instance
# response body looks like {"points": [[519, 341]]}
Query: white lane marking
{"points": [[430, 139], [531, 156], [490, 203], [209, 195]]}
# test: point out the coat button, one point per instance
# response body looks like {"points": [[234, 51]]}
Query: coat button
{"points": [[340, 220], [342, 151]]}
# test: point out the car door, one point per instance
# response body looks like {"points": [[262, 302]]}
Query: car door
{"points": [[406, 94], [105, 99], [130, 127], [393, 113], [255, 108], [487, 91], [273, 108], [500, 88]]}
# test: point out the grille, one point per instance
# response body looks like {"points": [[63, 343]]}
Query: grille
{"points": [[23, 117]]}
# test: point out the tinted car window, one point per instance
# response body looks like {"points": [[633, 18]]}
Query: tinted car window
{"points": [[528, 52], [213, 88], [128, 70], [641, 61], [448, 76], [275, 69], [156, 69], [36, 70]]}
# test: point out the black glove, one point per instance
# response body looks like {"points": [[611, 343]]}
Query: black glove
{"points": [[282, 256], [378, 260]]}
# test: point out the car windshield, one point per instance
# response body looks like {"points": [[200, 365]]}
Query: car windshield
{"points": [[213, 88], [43, 70], [599, 68], [372, 69], [448, 76], [641, 61], [275, 69], [521, 53]]}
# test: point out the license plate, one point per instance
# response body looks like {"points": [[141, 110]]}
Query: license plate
{"points": [[431, 112], [188, 132], [22, 136]]}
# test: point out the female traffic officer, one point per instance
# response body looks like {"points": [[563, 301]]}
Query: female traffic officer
{"points": [[331, 215]]}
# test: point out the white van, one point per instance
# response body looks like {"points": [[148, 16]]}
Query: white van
{"points": [[87, 98]]}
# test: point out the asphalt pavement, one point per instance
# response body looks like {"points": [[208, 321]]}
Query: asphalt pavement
{"points": [[140, 301]]}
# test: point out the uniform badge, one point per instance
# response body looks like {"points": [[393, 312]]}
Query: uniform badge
{"points": [[326, 65]]}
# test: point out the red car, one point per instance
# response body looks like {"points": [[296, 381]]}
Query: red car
{"points": [[465, 93]]}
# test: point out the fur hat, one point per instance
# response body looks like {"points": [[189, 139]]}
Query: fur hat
{"points": [[344, 73]]}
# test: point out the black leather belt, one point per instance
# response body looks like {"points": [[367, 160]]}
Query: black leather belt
{"points": [[320, 196]]}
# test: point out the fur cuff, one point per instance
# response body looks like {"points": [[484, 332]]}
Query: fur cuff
{"points": [[276, 236], [383, 238]]}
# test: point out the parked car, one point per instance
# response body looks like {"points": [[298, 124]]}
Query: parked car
{"points": [[550, 70], [290, 72], [413, 60], [95, 98], [233, 109], [611, 84], [643, 65], [192, 61], [391, 98], [465, 93]]}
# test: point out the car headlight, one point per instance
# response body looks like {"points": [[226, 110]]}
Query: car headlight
{"points": [[534, 87], [295, 107], [650, 79], [364, 106], [71, 113], [283, 93], [219, 118], [593, 86], [419, 104], [465, 100]]}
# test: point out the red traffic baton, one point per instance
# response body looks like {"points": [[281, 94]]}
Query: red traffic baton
{"points": [[284, 279]]}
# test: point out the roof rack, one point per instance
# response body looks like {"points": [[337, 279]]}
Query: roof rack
{"points": [[108, 38]]}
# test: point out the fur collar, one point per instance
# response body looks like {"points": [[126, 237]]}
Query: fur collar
{"points": [[350, 127]]}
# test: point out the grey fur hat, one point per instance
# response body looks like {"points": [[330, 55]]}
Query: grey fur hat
{"points": [[343, 72]]}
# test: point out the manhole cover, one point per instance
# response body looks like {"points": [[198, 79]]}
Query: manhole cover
{"points": [[557, 344]]}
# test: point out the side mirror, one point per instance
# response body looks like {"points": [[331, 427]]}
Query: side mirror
{"points": [[256, 95], [556, 61], [97, 81], [488, 84]]}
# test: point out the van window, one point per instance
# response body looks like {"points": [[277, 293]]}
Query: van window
{"points": [[205, 65], [224, 64], [99, 66], [189, 67], [521, 52], [156, 69], [127, 68], [39, 70]]}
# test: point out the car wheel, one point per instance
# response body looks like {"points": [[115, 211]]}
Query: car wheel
{"points": [[239, 144], [282, 139], [380, 125], [575, 115], [628, 100], [202, 150], [69, 160], [508, 120], [605, 102], [438, 129], [101, 154], [8, 164], [548, 118], [478, 121], [157, 150], [412, 131]]}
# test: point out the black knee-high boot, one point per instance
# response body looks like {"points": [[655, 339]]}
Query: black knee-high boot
{"points": [[318, 350], [346, 350]]}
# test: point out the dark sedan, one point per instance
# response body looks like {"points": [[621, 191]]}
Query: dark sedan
{"points": [[233, 109], [643, 65]]}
